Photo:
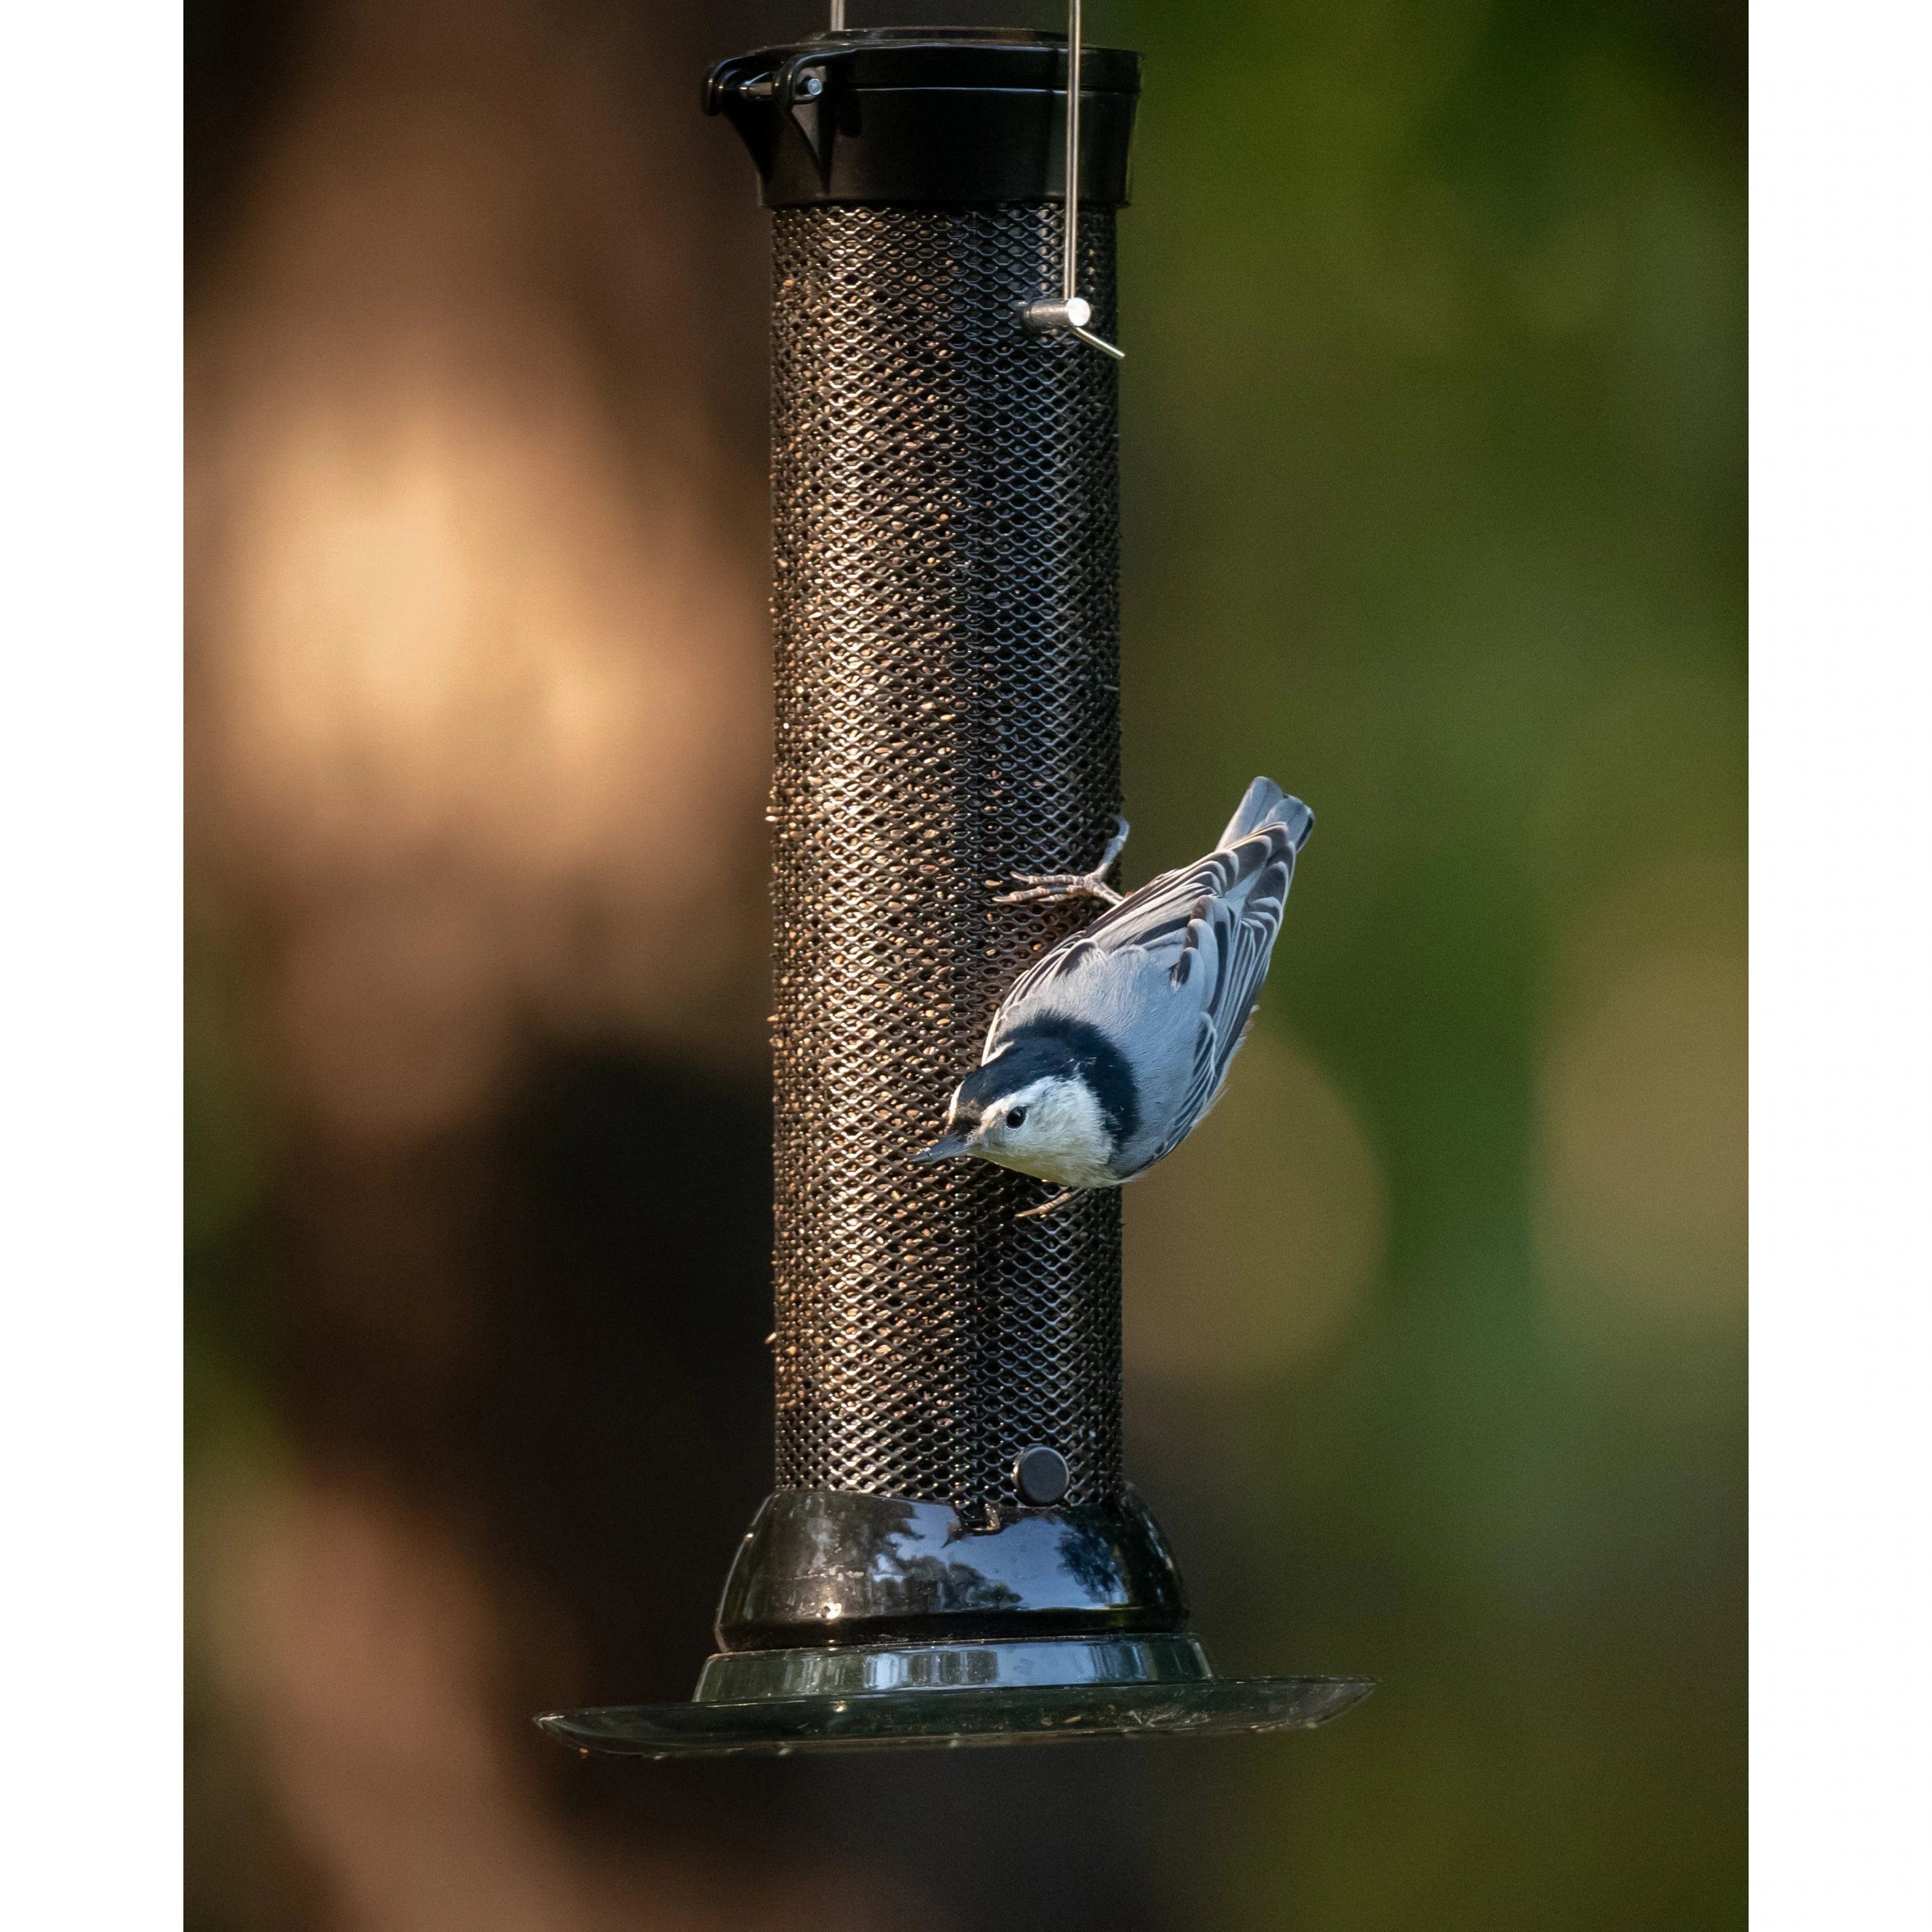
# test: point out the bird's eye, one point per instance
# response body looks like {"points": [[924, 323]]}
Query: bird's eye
{"points": [[1017, 1118]]}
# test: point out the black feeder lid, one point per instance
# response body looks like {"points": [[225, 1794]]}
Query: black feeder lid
{"points": [[911, 116]]}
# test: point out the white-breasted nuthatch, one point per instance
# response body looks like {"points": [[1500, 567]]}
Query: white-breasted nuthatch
{"points": [[1109, 1049]]}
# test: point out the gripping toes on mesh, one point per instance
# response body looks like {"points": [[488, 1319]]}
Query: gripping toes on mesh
{"points": [[1035, 887], [1051, 1207]]}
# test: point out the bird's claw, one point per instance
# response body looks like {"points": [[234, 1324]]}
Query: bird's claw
{"points": [[1036, 888], [1048, 1207]]}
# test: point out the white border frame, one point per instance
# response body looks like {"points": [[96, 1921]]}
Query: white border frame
{"points": [[1841, 1078]]}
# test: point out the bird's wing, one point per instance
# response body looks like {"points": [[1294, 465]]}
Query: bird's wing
{"points": [[1244, 925], [1155, 916]]}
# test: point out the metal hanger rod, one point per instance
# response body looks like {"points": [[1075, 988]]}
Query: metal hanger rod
{"points": [[1070, 311], [1069, 248]]}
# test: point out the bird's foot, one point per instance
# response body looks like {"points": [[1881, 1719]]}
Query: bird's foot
{"points": [[1051, 1205], [1045, 888], [1040, 888]]}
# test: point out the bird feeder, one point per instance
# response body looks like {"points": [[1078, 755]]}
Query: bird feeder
{"points": [[951, 1553]]}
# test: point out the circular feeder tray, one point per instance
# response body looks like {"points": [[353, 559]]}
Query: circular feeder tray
{"points": [[927, 1715]]}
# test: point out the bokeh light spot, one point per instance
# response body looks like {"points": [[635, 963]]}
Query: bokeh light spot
{"points": [[1249, 1249], [1641, 1175]]}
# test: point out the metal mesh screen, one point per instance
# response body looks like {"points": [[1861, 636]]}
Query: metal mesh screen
{"points": [[945, 502]]}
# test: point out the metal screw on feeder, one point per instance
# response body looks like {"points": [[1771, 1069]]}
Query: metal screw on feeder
{"points": [[951, 1554]]}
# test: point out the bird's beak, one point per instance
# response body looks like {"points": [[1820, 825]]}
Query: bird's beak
{"points": [[945, 1148]]}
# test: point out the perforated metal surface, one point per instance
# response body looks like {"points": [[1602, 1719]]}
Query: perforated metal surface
{"points": [[945, 501]]}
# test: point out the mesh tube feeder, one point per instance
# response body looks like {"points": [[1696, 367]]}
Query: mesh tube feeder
{"points": [[951, 1554]]}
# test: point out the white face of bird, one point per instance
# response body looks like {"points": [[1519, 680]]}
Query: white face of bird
{"points": [[1051, 1128]]}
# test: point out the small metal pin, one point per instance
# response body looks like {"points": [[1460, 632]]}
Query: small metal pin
{"points": [[1071, 312], [1059, 312]]}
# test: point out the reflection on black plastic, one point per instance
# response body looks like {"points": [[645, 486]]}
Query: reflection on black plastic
{"points": [[823, 1567], [733, 1677]]}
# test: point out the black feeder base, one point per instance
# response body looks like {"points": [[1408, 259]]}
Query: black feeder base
{"points": [[854, 1621]]}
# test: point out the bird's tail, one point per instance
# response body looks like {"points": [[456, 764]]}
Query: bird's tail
{"points": [[1264, 804]]}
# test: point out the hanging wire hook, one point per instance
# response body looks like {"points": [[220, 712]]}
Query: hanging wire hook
{"points": [[1071, 311]]}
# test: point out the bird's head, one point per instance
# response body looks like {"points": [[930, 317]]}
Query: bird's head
{"points": [[1029, 1108]]}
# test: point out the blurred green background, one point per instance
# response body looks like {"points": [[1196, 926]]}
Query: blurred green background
{"points": [[1435, 511]]}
